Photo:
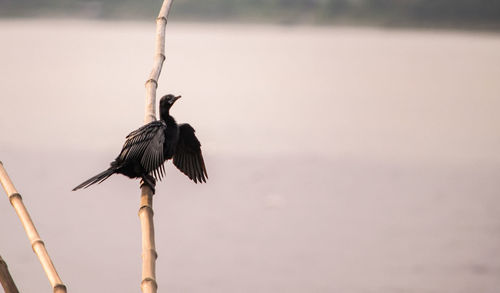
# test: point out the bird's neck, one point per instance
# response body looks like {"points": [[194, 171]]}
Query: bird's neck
{"points": [[165, 116]]}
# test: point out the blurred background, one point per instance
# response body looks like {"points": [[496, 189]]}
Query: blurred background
{"points": [[351, 145], [427, 13]]}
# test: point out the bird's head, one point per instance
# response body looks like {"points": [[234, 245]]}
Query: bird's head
{"points": [[167, 101]]}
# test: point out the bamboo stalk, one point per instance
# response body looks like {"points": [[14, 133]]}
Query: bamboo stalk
{"points": [[149, 255], [6, 279], [33, 236], [152, 82]]}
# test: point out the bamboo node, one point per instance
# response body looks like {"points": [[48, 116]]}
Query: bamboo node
{"points": [[35, 242], [14, 195], [161, 18], [153, 81], [152, 251], [146, 207], [60, 288], [148, 279]]}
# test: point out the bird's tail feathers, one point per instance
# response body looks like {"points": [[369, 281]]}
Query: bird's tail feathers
{"points": [[96, 179]]}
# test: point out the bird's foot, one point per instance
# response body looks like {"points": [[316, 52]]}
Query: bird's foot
{"points": [[149, 181]]}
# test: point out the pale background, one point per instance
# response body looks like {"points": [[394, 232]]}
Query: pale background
{"points": [[353, 160]]}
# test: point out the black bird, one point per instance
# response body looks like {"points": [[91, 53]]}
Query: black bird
{"points": [[146, 149]]}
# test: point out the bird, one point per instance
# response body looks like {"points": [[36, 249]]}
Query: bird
{"points": [[147, 148]]}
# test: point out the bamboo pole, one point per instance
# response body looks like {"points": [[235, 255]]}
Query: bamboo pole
{"points": [[6, 279], [149, 255], [152, 82], [33, 236]]}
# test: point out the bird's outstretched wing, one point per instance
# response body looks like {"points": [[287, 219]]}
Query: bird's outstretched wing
{"points": [[188, 157], [146, 145]]}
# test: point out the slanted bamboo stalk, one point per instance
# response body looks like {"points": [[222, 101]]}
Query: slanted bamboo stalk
{"points": [[35, 240], [149, 255], [6, 279]]}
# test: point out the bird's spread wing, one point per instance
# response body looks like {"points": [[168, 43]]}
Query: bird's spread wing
{"points": [[188, 157], [146, 145]]}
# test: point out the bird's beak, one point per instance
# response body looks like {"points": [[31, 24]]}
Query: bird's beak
{"points": [[176, 98]]}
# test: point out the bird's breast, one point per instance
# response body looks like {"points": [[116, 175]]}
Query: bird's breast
{"points": [[171, 139]]}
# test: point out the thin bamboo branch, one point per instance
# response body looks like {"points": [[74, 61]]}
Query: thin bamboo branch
{"points": [[152, 82], [149, 255], [33, 236], [6, 279]]}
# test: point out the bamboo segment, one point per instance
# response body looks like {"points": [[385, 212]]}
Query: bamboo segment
{"points": [[35, 240], [149, 255], [152, 82], [6, 279]]}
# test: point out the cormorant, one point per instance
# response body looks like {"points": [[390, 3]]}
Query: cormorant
{"points": [[146, 149]]}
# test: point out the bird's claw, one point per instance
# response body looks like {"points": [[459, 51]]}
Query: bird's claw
{"points": [[149, 181]]}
